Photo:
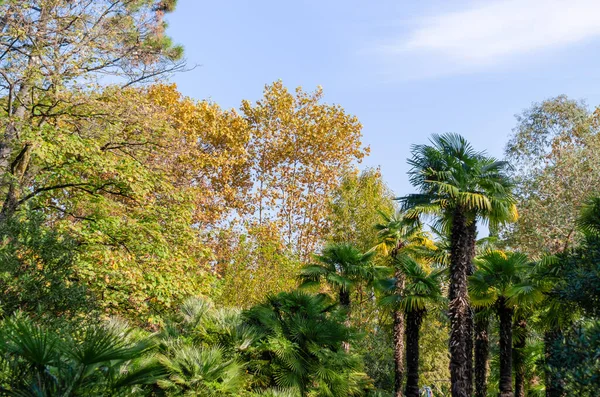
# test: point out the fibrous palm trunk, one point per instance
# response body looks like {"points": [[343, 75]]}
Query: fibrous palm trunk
{"points": [[505, 316], [398, 336], [482, 351], [344, 297], [414, 320], [461, 326], [519, 358]]}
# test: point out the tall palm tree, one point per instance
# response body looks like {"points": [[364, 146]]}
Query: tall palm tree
{"points": [[421, 291], [496, 284], [459, 186], [398, 237]]}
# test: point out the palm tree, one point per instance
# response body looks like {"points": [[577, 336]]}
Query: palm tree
{"points": [[497, 284], [298, 346], [200, 350], [459, 186], [343, 267], [553, 315], [100, 360], [197, 371], [481, 320], [398, 237], [422, 290]]}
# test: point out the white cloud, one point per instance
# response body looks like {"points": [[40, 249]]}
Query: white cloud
{"points": [[491, 32]]}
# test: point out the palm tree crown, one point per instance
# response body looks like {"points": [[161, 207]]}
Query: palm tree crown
{"points": [[451, 176], [342, 266]]}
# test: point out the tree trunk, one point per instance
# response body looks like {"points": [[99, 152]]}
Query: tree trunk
{"points": [[482, 351], [13, 171], [344, 297], [17, 174], [505, 315], [554, 383], [461, 327], [519, 358], [413, 326], [472, 230], [398, 336]]}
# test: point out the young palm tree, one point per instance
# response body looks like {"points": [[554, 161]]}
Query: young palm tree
{"points": [[459, 186], [298, 346], [197, 371], [422, 290], [101, 360], [342, 266], [398, 237], [494, 284], [200, 350]]}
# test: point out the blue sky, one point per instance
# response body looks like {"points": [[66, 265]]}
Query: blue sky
{"points": [[407, 69]]}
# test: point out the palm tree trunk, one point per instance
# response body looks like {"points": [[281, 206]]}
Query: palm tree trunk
{"points": [[505, 314], [519, 359], [472, 230], [344, 296], [554, 385], [482, 351], [398, 336], [461, 327], [414, 320]]}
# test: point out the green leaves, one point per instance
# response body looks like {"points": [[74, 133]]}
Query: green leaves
{"points": [[422, 289], [451, 175], [200, 371], [103, 360], [589, 218], [301, 336]]}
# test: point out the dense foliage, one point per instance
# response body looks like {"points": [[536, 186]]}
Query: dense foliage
{"points": [[156, 245]]}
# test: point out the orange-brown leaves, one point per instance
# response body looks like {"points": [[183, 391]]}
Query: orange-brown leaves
{"points": [[299, 148]]}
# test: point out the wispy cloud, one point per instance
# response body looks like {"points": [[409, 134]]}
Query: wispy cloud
{"points": [[492, 32]]}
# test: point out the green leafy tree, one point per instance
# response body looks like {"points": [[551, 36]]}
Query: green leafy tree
{"points": [[38, 272], [53, 51], [355, 208], [570, 314], [459, 186], [555, 150]]}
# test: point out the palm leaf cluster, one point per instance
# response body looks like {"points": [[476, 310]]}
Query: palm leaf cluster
{"points": [[452, 176], [422, 290], [342, 266], [99, 360], [299, 346]]}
